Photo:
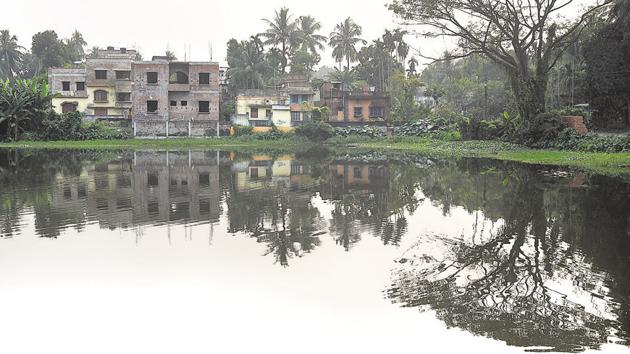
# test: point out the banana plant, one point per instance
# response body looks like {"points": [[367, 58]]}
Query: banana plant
{"points": [[21, 102]]}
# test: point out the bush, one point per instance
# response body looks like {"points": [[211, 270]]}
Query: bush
{"points": [[315, 131], [419, 128], [366, 131], [568, 139], [242, 130], [273, 134], [542, 130], [102, 131]]}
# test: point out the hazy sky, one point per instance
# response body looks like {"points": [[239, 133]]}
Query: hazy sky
{"points": [[152, 26]]}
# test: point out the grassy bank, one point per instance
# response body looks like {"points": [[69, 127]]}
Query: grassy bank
{"points": [[606, 163], [612, 164]]}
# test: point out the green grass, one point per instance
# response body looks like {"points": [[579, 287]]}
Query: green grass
{"points": [[606, 163]]}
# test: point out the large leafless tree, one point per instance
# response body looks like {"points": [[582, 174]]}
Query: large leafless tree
{"points": [[526, 37]]}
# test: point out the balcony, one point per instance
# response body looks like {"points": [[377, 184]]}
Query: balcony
{"points": [[178, 87]]}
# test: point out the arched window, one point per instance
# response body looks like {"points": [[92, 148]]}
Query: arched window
{"points": [[67, 107], [100, 96], [178, 78]]}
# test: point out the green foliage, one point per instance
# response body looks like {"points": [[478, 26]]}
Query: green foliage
{"points": [[541, 131], [242, 130], [315, 131], [403, 95], [568, 139], [320, 113], [344, 40], [502, 128], [364, 131], [23, 105], [273, 134], [418, 128]]}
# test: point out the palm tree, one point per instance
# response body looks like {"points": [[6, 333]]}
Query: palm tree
{"points": [[307, 35], [248, 67], [170, 55], [413, 64], [281, 32], [344, 40], [75, 45], [402, 48], [11, 55]]}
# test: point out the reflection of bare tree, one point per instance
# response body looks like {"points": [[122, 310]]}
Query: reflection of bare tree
{"points": [[517, 286]]}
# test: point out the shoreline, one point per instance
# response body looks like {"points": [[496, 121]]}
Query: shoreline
{"points": [[604, 163]]}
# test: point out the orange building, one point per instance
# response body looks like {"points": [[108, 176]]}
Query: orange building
{"points": [[351, 107]]}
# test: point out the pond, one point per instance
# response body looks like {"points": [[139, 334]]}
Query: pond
{"points": [[317, 251]]}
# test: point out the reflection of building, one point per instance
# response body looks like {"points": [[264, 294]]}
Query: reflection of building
{"points": [[146, 189], [345, 176], [262, 172]]}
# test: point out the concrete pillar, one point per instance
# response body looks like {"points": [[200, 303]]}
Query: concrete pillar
{"points": [[167, 129], [218, 132], [189, 128], [134, 129]]}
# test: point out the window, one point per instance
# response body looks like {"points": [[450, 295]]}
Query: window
{"points": [[358, 173], [123, 75], [254, 113], [296, 116], [269, 114], [123, 97], [204, 78], [204, 106], [253, 173], [358, 112], [152, 77], [296, 99], [67, 107], [65, 85], [173, 103], [152, 106], [184, 103], [81, 86], [100, 74], [100, 112], [100, 96], [377, 112]]}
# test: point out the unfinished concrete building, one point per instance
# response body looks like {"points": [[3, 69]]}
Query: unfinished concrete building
{"points": [[175, 98]]}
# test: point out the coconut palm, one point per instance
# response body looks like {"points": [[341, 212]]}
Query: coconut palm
{"points": [[75, 45], [281, 33], [307, 36], [11, 55], [413, 65], [344, 40], [248, 67], [402, 48]]}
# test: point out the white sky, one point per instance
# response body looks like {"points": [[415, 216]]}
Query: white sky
{"points": [[152, 26]]}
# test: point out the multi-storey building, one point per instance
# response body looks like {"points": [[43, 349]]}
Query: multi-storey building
{"points": [[285, 107], [175, 98], [101, 89], [358, 107]]}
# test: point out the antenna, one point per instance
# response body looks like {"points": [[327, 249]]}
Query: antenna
{"points": [[185, 57]]}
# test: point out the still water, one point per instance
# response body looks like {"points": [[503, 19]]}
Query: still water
{"points": [[225, 252]]}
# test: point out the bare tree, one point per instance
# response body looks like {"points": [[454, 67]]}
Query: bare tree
{"points": [[526, 37]]}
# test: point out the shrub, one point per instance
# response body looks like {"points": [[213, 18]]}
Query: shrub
{"points": [[541, 131], [568, 139], [273, 134], [102, 131], [315, 131], [242, 130], [366, 131], [419, 128]]}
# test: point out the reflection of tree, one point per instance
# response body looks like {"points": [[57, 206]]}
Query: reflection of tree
{"points": [[288, 227], [379, 207], [528, 284], [27, 179]]}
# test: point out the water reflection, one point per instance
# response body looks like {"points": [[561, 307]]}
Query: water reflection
{"points": [[542, 262]]}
